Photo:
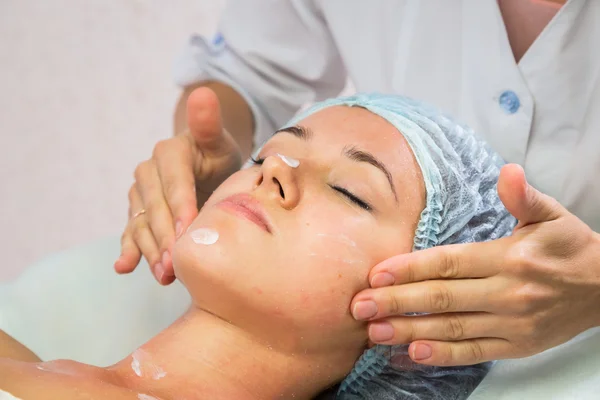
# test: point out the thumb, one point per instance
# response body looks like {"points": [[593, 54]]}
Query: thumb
{"points": [[205, 124], [522, 200]]}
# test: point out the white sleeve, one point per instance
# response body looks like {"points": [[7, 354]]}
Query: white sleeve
{"points": [[278, 54]]}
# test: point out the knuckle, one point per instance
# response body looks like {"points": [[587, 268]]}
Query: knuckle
{"points": [[131, 193], [454, 328], [409, 269], [138, 173], [161, 148], [474, 352], [447, 355], [394, 306], [448, 267], [441, 299], [521, 259], [411, 333], [531, 298]]}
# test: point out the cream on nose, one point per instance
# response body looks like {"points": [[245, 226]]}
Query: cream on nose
{"points": [[292, 162]]}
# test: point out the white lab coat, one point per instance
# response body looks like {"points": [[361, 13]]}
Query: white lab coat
{"points": [[543, 113]]}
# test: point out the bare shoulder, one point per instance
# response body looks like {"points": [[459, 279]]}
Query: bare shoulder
{"points": [[61, 379]]}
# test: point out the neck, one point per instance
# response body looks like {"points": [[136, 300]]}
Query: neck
{"points": [[203, 356]]}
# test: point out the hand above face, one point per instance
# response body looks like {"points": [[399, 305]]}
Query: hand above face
{"points": [[174, 183], [509, 298]]}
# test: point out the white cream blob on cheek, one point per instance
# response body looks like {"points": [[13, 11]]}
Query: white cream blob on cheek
{"points": [[292, 162], [204, 236]]}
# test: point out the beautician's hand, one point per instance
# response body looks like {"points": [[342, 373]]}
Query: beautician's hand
{"points": [[171, 186], [508, 298]]}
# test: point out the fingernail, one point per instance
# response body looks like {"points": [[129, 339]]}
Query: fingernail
{"points": [[178, 229], [382, 279], [159, 271], [381, 332], [364, 309], [421, 352]]}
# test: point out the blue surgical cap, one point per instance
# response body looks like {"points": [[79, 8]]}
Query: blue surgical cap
{"points": [[462, 206]]}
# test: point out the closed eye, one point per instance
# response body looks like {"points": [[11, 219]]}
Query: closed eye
{"points": [[349, 195], [353, 198]]}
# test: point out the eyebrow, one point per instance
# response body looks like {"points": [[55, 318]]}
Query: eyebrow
{"points": [[350, 152], [299, 131], [362, 156]]}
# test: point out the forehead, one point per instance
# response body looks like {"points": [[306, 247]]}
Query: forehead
{"points": [[336, 127]]}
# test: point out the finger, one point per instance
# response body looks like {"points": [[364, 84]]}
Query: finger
{"points": [[145, 241], [174, 164], [157, 214], [523, 201], [463, 295], [472, 260], [447, 327], [143, 238], [130, 254], [205, 123], [464, 352]]}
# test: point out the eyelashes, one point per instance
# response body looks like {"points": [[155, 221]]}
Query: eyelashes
{"points": [[353, 198], [344, 192]]}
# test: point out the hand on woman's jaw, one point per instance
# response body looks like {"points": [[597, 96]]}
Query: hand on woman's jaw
{"points": [[270, 316]]}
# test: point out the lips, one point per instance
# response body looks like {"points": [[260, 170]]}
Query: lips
{"points": [[247, 207]]}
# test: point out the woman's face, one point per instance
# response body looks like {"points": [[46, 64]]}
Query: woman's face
{"points": [[296, 243]]}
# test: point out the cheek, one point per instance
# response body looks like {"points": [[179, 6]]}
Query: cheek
{"points": [[327, 265]]}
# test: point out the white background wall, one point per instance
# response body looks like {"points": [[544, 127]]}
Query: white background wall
{"points": [[85, 92]]}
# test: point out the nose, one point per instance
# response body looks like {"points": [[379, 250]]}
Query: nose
{"points": [[279, 183]]}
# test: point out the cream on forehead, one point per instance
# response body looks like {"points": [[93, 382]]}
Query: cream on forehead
{"points": [[204, 236], [292, 162]]}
